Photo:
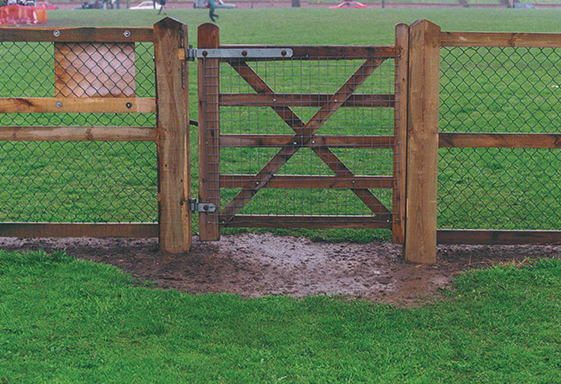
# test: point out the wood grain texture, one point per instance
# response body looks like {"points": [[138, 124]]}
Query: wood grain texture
{"points": [[329, 141], [46, 133], [79, 35], [422, 142], [77, 105], [311, 182], [500, 39], [172, 138], [93, 230], [497, 237], [95, 70], [400, 132], [499, 140], [208, 36], [303, 100], [266, 221]]}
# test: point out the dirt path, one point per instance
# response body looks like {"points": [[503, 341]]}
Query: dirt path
{"points": [[253, 265]]}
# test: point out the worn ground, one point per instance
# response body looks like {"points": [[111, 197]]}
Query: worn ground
{"points": [[253, 265]]}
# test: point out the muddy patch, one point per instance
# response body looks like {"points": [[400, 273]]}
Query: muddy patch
{"points": [[253, 265]]}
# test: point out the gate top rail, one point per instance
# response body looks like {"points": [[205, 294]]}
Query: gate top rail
{"points": [[325, 52], [500, 39], [78, 35]]}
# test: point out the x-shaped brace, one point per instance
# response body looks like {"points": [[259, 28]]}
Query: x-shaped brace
{"points": [[303, 135]]}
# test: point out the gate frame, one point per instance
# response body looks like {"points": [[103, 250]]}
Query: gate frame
{"points": [[210, 139]]}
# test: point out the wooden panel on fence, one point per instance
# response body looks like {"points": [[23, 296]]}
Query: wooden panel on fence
{"points": [[77, 105], [209, 132], [302, 100], [29, 230], [499, 140], [400, 131], [172, 137], [266, 221], [77, 133], [327, 52], [275, 141], [497, 237], [95, 70], [500, 39], [79, 35], [315, 182], [422, 142]]}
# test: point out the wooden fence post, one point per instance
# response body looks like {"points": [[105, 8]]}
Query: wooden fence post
{"points": [[400, 130], [422, 142], [172, 90], [208, 36]]}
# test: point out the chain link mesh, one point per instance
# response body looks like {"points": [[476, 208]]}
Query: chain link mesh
{"points": [[77, 181], [503, 90]]}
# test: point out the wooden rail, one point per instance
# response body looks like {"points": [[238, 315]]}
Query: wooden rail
{"points": [[45, 133], [500, 39], [287, 221], [77, 35], [497, 237], [302, 100], [499, 140], [335, 141], [311, 182], [77, 105], [79, 229]]}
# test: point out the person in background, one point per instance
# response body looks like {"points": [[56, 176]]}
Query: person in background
{"points": [[211, 7], [163, 6]]}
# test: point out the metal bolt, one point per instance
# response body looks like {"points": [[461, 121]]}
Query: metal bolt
{"points": [[129, 105], [56, 33], [354, 182], [205, 53], [283, 53], [256, 183], [127, 33], [295, 143], [205, 207], [244, 53], [58, 104], [275, 100], [313, 142]]}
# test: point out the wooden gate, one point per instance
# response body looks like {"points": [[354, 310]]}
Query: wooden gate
{"points": [[312, 137]]}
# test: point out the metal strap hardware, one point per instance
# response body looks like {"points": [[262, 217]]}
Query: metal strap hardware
{"points": [[195, 206], [239, 53]]}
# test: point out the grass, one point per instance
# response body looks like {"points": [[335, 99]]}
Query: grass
{"points": [[37, 175], [63, 320]]}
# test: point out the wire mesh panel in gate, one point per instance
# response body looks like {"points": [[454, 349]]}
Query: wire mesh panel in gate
{"points": [[500, 90], [46, 84], [303, 141]]}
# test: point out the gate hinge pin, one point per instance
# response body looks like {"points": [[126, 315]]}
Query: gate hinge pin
{"points": [[195, 206]]}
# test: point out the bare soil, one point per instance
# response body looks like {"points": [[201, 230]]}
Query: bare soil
{"points": [[254, 265]]}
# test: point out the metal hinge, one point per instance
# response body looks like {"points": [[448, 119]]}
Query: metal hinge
{"points": [[195, 206], [239, 53]]}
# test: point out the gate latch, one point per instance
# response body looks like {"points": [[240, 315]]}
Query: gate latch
{"points": [[195, 206], [239, 53]]}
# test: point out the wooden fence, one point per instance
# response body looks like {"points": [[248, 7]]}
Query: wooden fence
{"points": [[72, 71], [413, 140]]}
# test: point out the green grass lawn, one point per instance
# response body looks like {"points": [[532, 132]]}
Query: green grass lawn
{"points": [[478, 189], [68, 321]]}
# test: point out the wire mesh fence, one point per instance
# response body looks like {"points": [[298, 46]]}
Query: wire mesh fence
{"points": [[499, 90], [311, 139], [77, 181]]}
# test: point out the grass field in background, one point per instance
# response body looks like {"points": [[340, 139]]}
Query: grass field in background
{"points": [[67, 321], [504, 200]]}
